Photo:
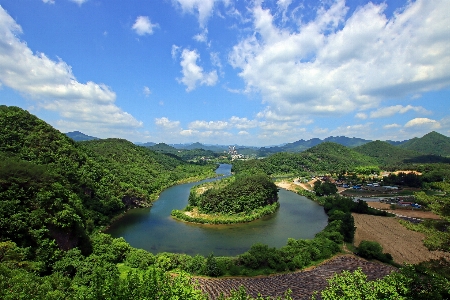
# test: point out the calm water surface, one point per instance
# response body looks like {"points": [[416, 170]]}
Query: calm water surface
{"points": [[153, 228]]}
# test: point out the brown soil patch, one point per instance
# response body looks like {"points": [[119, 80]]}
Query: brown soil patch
{"points": [[302, 283], [407, 212], [290, 186], [404, 245], [401, 171]]}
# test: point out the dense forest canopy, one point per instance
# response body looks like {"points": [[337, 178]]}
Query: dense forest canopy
{"points": [[242, 193], [54, 191]]}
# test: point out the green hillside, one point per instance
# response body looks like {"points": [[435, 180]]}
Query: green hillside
{"points": [[54, 191], [431, 143], [394, 157], [142, 173], [385, 153], [325, 157]]}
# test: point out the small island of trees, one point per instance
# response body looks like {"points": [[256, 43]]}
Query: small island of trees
{"points": [[238, 199]]}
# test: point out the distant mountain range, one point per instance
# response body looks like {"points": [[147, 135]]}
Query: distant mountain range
{"points": [[432, 143], [79, 136]]}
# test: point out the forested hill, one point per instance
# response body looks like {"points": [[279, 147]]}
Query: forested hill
{"points": [[141, 172], [385, 153], [54, 191], [431, 143], [325, 157], [389, 156]]}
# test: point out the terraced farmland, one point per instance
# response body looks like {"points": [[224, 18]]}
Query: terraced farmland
{"points": [[302, 283]]}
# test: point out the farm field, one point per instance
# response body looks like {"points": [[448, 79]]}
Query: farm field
{"points": [[302, 283], [404, 245], [408, 212]]}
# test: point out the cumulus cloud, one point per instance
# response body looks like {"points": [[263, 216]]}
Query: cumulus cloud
{"points": [[338, 63], [143, 26], [361, 116], [243, 123], [53, 85], [165, 123], [424, 123], [357, 130], [211, 125], [391, 126], [202, 37], [49, 1], [193, 74], [202, 8], [397, 109]]}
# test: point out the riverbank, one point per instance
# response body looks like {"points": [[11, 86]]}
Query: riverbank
{"points": [[155, 197]]}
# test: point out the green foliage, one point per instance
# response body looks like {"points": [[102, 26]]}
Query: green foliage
{"points": [[325, 157], [226, 219], [324, 188], [212, 268], [139, 258], [55, 192], [244, 193], [373, 250], [355, 286], [431, 143]]}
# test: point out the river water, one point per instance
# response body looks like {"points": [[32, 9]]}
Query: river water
{"points": [[154, 230]]}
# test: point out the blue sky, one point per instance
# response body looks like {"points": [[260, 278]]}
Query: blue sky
{"points": [[229, 71]]}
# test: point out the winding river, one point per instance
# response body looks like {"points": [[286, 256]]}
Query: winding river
{"points": [[153, 228]]}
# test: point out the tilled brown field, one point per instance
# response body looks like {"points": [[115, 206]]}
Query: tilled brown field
{"points": [[302, 283], [404, 245], [404, 212]]}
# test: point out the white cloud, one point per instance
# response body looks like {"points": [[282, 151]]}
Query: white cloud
{"points": [[391, 126], [174, 52], [143, 25], [202, 37], [357, 130], [211, 125], [147, 92], [53, 86], [49, 1], [165, 123], [202, 8], [361, 116], [192, 73], [243, 132], [336, 64], [396, 109], [79, 2], [188, 132], [243, 123], [424, 123]]}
